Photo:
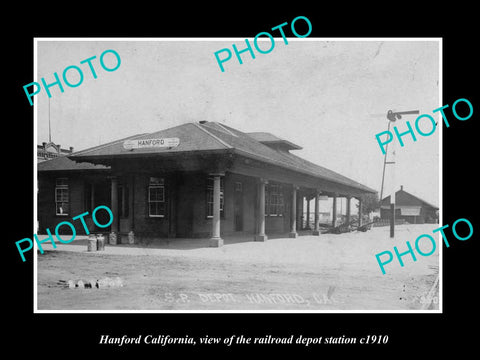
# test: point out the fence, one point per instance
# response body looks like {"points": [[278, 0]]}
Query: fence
{"points": [[386, 222]]}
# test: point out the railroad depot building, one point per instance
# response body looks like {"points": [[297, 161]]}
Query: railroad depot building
{"points": [[194, 180]]}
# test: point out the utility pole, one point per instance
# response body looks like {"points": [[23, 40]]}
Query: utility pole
{"points": [[392, 194], [384, 165], [392, 117]]}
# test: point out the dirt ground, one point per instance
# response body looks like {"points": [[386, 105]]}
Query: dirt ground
{"points": [[326, 272]]}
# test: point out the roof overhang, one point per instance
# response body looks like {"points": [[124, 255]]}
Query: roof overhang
{"points": [[235, 158]]}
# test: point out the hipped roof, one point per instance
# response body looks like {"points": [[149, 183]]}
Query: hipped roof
{"points": [[404, 198], [213, 136]]}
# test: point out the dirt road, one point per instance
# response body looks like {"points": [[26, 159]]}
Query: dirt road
{"points": [[330, 272]]}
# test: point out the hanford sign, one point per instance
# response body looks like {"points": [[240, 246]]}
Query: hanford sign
{"points": [[151, 143]]}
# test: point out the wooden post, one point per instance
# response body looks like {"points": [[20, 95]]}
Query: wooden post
{"points": [[307, 222], [348, 209], [261, 212], [392, 214], [334, 210], [360, 211], [316, 230]]}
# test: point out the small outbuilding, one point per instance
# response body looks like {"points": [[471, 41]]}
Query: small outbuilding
{"points": [[409, 208]]}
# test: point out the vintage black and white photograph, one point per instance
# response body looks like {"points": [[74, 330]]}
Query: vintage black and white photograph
{"points": [[209, 175]]}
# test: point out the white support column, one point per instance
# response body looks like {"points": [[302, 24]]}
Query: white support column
{"points": [[261, 236], [114, 208], [334, 210], [216, 240], [293, 229], [131, 214]]}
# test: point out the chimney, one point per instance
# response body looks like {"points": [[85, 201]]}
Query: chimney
{"points": [[401, 187], [71, 149]]}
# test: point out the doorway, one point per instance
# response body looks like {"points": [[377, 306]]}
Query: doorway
{"points": [[238, 206], [123, 191]]}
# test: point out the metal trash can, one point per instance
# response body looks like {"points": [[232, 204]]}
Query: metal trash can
{"points": [[92, 243], [100, 242]]}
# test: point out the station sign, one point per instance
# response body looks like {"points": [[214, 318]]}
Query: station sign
{"points": [[151, 143]]}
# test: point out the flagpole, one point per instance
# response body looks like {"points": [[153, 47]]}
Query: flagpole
{"points": [[49, 127]]}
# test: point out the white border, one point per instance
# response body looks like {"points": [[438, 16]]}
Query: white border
{"points": [[35, 181], [440, 87], [440, 178]]}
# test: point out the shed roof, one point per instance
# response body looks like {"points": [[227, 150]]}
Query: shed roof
{"points": [[63, 163], [267, 139]]}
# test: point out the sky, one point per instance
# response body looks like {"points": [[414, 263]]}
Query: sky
{"points": [[330, 96]]}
